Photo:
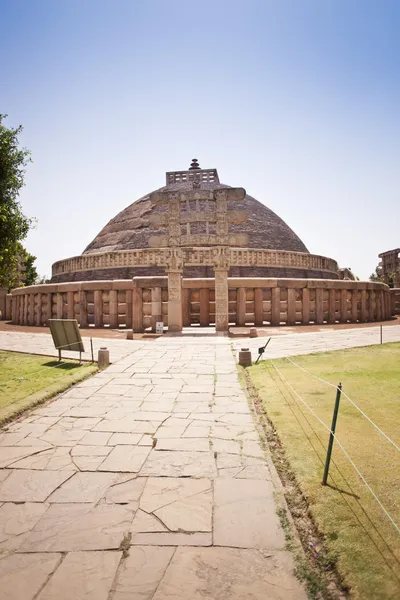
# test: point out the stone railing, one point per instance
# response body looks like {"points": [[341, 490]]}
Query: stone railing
{"points": [[194, 257], [4, 303], [97, 303], [395, 296], [139, 303]]}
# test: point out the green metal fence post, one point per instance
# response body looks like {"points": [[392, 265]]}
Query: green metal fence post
{"points": [[332, 434]]}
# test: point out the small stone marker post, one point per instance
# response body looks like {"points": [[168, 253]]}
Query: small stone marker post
{"points": [[103, 358], [245, 357]]}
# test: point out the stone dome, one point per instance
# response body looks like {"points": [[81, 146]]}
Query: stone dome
{"points": [[131, 228]]}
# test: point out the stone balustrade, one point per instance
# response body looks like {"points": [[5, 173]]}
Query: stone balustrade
{"points": [[195, 257], [139, 303]]}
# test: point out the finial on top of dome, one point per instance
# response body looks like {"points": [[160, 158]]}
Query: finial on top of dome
{"points": [[194, 165]]}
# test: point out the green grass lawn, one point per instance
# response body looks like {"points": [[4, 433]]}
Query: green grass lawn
{"points": [[358, 535], [26, 380]]}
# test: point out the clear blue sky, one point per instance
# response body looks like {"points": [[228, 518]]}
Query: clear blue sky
{"points": [[298, 101]]}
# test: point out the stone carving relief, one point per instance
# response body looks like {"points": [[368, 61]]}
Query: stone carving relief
{"points": [[174, 219], [174, 285], [221, 297], [221, 257], [195, 256], [173, 258]]}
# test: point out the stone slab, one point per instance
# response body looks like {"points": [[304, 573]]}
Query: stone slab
{"points": [[83, 576], [196, 444], [229, 574], [22, 575], [84, 487], [4, 473], [119, 439], [179, 464], [125, 459], [245, 514], [145, 523], [141, 572], [11, 454], [74, 527], [95, 438], [126, 490], [31, 486], [16, 519], [180, 504]]}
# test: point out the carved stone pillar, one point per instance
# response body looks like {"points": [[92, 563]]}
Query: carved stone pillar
{"points": [[291, 306], [306, 306], [83, 311], [14, 309], [174, 219], [59, 305], [156, 307], [364, 312], [174, 300], [204, 307], [221, 299], [319, 306], [98, 308], [3, 294], [128, 302], [275, 306], [221, 225], [49, 309], [137, 309], [186, 292], [113, 305], [70, 305], [258, 307], [38, 314], [221, 259], [173, 258], [31, 313], [241, 307]]}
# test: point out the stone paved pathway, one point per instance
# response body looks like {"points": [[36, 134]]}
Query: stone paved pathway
{"points": [[319, 341], [145, 482], [284, 342], [42, 343]]}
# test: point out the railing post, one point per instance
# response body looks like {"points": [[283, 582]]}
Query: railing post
{"points": [[332, 434]]}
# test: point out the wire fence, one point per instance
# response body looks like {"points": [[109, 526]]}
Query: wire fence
{"points": [[343, 449], [348, 398], [368, 528]]}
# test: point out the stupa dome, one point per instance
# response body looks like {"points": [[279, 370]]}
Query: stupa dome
{"points": [[133, 228]]}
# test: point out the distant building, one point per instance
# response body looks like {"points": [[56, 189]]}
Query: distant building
{"points": [[390, 266]]}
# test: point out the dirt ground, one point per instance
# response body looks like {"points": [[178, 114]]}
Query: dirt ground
{"points": [[233, 331]]}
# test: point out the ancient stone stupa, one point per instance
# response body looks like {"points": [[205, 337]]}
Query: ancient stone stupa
{"points": [[250, 225], [198, 252]]}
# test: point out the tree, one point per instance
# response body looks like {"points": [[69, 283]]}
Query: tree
{"points": [[20, 268], [14, 225], [377, 275], [30, 275]]}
